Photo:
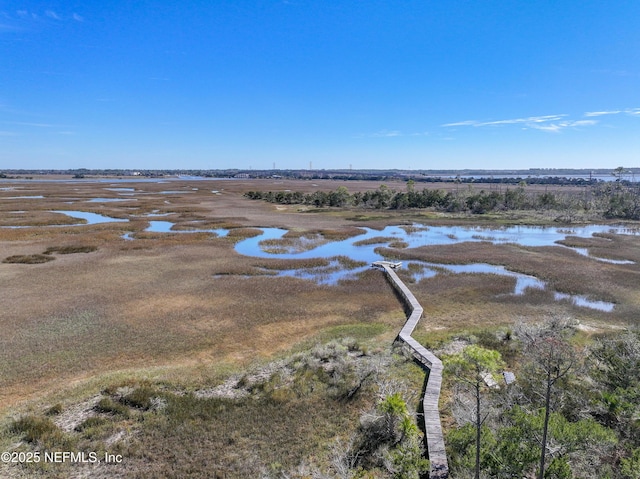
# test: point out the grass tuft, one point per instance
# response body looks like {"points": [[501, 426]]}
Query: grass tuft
{"points": [[140, 398], [109, 406], [40, 431], [92, 422], [55, 410]]}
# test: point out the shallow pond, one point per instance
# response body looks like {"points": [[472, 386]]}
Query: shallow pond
{"points": [[363, 248], [91, 218]]}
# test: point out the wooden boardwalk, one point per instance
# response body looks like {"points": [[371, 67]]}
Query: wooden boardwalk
{"points": [[439, 467]]}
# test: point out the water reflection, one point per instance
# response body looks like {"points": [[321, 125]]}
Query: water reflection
{"points": [[585, 302], [585, 252], [420, 270], [363, 248], [91, 218], [29, 197]]}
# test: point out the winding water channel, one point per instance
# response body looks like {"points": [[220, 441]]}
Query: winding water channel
{"points": [[365, 249], [349, 257]]}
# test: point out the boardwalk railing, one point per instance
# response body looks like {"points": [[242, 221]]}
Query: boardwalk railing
{"points": [[439, 468]]}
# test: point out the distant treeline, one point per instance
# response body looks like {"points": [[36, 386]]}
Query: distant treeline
{"points": [[510, 177], [611, 200]]}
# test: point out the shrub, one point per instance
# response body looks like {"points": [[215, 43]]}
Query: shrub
{"points": [[41, 431], [140, 398], [33, 427], [91, 422], [54, 410], [107, 405]]}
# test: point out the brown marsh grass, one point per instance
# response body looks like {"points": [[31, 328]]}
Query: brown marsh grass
{"points": [[243, 233], [610, 246], [327, 234], [292, 245], [159, 305], [564, 270], [282, 264], [375, 240], [186, 307]]}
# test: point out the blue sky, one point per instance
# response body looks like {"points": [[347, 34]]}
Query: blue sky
{"points": [[411, 84]]}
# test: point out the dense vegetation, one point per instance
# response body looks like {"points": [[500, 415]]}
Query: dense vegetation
{"points": [[610, 200], [573, 411]]}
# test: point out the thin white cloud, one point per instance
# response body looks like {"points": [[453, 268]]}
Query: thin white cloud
{"points": [[528, 120], [511, 121], [391, 134], [386, 134], [52, 14], [549, 123], [583, 123], [78, 18], [602, 113], [563, 125], [462, 123], [628, 111]]}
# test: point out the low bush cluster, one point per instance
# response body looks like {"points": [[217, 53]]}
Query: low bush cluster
{"points": [[46, 256], [70, 249], [28, 259], [611, 200]]}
